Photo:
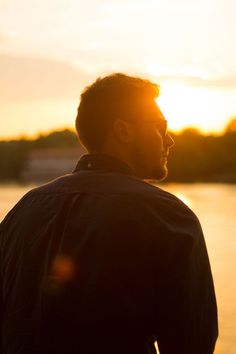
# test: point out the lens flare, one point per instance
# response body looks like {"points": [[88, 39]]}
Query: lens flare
{"points": [[63, 268]]}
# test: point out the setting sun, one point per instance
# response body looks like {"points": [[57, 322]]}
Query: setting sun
{"points": [[50, 52], [185, 106]]}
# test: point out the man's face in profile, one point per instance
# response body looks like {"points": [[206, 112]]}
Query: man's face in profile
{"points": [[151, 142]]}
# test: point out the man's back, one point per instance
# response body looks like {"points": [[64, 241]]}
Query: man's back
{"points": [[101, 262]]}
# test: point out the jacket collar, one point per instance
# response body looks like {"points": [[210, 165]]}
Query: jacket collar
{"points": [[104, 163]]}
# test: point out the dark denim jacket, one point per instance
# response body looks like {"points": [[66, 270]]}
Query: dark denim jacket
{"points": [[99, 261]]}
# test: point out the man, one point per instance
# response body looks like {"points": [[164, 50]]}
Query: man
{"points": [[100, 261]]}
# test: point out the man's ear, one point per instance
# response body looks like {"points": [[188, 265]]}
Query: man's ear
{"points": [[122, 130]]}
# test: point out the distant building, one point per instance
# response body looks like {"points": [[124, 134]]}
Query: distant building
{"points": [[46, 164]]}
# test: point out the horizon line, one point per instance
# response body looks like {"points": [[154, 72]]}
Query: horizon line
{"points": [[35, 136]]}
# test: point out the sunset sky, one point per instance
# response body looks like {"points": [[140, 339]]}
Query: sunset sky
{"points": [[50, 50]]}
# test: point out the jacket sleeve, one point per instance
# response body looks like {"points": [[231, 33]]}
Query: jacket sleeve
{"points": [[189, 311]]}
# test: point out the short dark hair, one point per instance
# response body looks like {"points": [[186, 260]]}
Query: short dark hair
{"points": [[109, 97]]}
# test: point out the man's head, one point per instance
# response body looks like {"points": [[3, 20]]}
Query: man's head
{"points": [[118, 115]]}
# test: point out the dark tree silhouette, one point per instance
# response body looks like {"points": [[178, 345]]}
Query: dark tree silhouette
{"points": [[194, 158]]}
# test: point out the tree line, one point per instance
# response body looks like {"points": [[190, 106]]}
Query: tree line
{"points": [[194, 158]]}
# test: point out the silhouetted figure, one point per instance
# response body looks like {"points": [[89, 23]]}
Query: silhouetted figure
{"points": [[100, 261]]}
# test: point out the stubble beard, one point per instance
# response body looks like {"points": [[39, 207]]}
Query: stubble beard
{"points": [[158, 174]]}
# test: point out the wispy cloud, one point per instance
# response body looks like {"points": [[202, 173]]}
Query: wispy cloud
{"points": [[221, 82], [3, 37], [25, 78], [192, 75]]}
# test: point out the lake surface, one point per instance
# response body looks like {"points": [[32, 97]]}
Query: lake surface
{"points": [[215, 205]]}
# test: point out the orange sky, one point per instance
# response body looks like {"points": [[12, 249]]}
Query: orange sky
{"points": [[50, 50]]}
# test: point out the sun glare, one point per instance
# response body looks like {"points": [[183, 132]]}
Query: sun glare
{"points": [[185, 106], [184, 199]]}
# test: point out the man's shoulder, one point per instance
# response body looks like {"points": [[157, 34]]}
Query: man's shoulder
{"points": [[149, 193], [37, 198], [157, 210]]}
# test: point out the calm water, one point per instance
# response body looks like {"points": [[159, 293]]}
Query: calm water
{"points": [[215, 205]]}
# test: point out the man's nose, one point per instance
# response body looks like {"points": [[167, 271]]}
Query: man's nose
{"points": [[169, 141]]}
